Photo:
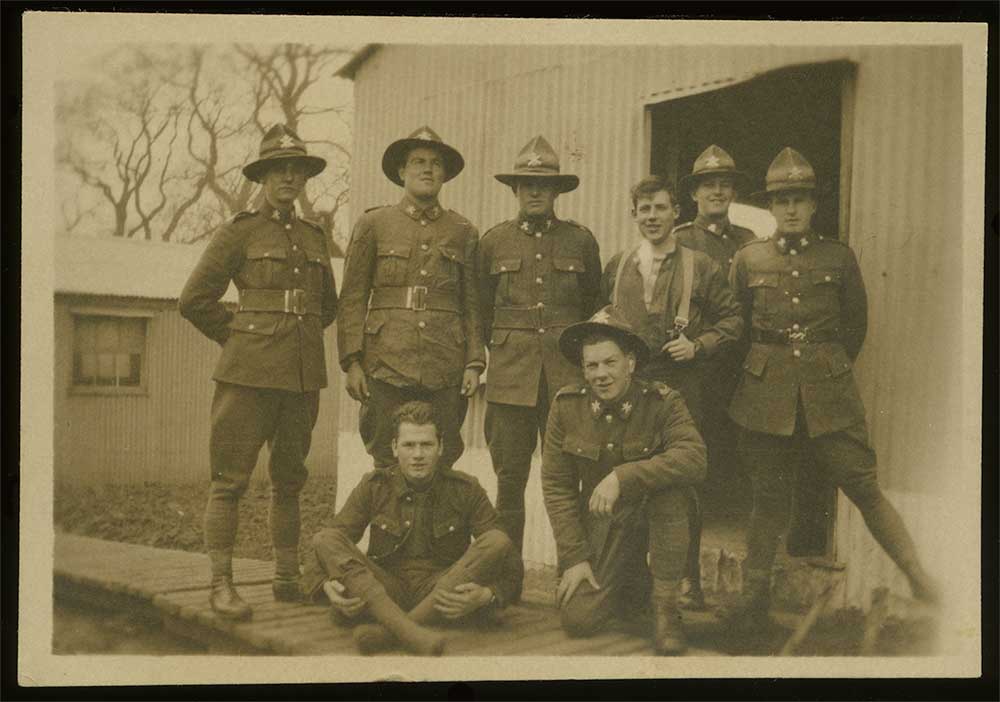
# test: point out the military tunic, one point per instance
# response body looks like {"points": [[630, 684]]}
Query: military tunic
{"points": [[536, 278], [714, 318], [410, 315], [719, 241], [440, 537], [271, 368], [647, 437]]}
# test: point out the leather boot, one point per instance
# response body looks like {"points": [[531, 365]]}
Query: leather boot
{"points": [[375, 638], [394, 622], [924, 587], [692, 597], [286, 589], [668, 633], [749, 610], [226, 602]]}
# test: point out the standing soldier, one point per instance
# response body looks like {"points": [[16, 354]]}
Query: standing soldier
{"points": [[797, 402], [538, 275], [272, 365], [620, 455], [409, 326], [679, 302], [712, 184]]}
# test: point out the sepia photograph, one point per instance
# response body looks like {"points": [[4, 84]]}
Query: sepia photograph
{"points": [[488, 349]]}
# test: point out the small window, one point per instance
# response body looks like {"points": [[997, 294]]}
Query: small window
{"points": [[108, 352]]}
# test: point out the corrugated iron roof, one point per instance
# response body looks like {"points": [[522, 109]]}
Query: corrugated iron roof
{"points": [[349, 69], [125, 267]]}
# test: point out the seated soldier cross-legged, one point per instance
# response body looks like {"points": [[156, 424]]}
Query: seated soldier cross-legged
{"points": [[620, 456], [435, 554]]}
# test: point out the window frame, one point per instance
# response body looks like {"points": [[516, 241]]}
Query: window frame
{"points": [[142, 389]]}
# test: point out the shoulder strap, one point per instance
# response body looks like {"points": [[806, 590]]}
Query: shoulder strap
{"points": [[687, 265], [618, 274]]}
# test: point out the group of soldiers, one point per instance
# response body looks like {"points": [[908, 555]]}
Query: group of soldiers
{"points": [[698, 349]]}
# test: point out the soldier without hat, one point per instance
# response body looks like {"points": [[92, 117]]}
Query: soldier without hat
{"points": [[272, 364], [538, 274], [620, 455], [797, 402], [409, 325], [679, 301], [423, 517]]}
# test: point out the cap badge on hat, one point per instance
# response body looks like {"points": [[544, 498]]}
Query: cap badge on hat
{"points": [[286, 141], [424, 134], [534, 160], [601, 317], [795, 173], [712, 161]]}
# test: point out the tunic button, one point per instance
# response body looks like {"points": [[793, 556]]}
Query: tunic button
{"points": [[300, 317], [385, 526], [796, 353], [423, 222], [503, 268], [294, 247], [793, 252], [730, 260], [538, 257], [610, 446], [296, 270], [795, 300], [288, 226], [451, 528], [540, 304], [541, 330], [795, 274], [795, 327], [392, 250], [421, 324], [409, 499], [538, 235], [250, 326], [579, 450], [538, 280], [827, 279], [406, 523], [571, 267], [423, 272], [645, 449], [424, 247], [725, 236]]}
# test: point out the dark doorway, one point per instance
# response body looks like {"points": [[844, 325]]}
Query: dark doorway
{"points": [[799, 106]]}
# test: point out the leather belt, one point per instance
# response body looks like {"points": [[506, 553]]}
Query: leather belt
{"points": [[293, 301], [794, 336], [534, 318], [414, 297]]}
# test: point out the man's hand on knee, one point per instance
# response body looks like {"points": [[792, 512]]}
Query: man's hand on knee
{"points": [[349, 607], [462, 600], [605, 495], [571, 580]]}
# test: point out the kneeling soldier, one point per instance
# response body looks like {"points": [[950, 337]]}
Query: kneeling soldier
{"points": [[621, 455], [423, 516], [797, 403]]}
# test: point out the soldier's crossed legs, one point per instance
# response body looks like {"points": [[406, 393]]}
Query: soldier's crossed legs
{"points": [[376, 419], [512, 433], [335, 556], [243, 419], [656, 524], [843, 459]]}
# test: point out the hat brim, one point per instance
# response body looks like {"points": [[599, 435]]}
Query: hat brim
{"points": [[394, 154], [564, 182], [762, 197], [256, 170], [571, 341], [691, 180]]}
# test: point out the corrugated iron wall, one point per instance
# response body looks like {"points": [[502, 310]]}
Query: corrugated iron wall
{"points": [[590, 103], [163, 434]]}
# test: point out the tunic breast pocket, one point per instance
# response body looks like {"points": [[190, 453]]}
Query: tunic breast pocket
{"points": [[316, 263], [567, 271], [503, 270], [450, 264], [826, 286], [386, 535], [392, 264], [451, 535], [764, 287], [578, 446], [266, 265]]}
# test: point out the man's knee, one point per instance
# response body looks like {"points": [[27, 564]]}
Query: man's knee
{"points": [[495, 543], [332, 541]]}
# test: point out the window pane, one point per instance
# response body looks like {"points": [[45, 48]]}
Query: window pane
{"points": [[133, 335], [107, 334], [86, 334], [84, 367], [134, 370], [105, 369]]}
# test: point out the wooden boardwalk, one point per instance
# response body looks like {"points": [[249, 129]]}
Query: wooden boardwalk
{"points": [[171, 587]]}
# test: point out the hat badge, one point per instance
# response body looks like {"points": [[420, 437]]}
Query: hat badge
{"points": [[424, 134], [712, 161], [534, 160], [286, 141], [601, 317], [795, 173]]}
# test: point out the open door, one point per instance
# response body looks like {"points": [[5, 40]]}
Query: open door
{"points": [[810, 108]]}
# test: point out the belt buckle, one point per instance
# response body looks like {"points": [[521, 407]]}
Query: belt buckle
{"points": [[796, 336], [295, 301], [416, 298]]}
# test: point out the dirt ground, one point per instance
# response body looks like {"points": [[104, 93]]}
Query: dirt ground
{"points": [[77, 630]]}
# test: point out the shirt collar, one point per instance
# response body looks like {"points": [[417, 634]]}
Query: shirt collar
{"points": [[621, 408], [414, 211], [533, 226], [786, 243], [714, 228], [271, 212], [401, 488]]}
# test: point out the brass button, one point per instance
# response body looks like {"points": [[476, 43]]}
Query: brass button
{"points": [[538, 235], [579, 450], [795, 274], [795, 327], [541, 330], [730, 260], [796, 353], [250, 326], [793, 252], [385, 526], [300, 317], [540, 305], [538, 280], [423, 272], [288, 226], [406, 523], [392, 250], [503, 268], [828, 279], [538, 257], [610, 446], [294, 247], [795, 300], [571, 267], [423, 222], [451, 528], [421, 324], [424, 247], [296, 270]]}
